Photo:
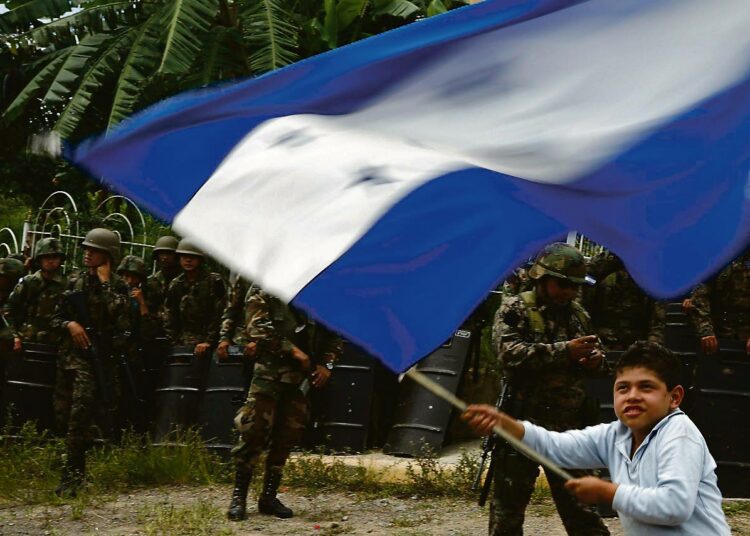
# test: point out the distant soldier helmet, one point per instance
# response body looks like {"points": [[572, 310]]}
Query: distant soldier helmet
{"points": [[48, 246], [562, 261], [133, 264], [166, 243], [105, 240], [187, 246], [13, 268]]}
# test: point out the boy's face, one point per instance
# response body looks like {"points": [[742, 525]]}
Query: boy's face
{"points": [[641, 399]]}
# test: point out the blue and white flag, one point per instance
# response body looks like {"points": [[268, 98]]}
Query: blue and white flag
{"points": [[386, 186]]}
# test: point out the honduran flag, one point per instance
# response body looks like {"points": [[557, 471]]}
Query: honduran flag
{"points": [[387, 186]]}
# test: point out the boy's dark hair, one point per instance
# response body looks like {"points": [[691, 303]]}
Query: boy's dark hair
{"points": [[654, 357]]}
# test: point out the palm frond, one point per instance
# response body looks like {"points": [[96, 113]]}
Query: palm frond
{"points": [[36, 85], [23, 14], [223, 58], [141, 62], [185, 21], [104, 67], [402, 9], [271, 33]]}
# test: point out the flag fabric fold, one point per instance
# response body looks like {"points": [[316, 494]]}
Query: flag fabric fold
{"points": [[386, 186]]}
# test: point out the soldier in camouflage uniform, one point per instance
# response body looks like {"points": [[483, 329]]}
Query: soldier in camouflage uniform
{"points": [[289, 349], [169, 268], [620, 311], [11, 270], [78, 397], [546, 347], [194, 303], [721, 307], [233, 322], [33, 301], [145, 301]]}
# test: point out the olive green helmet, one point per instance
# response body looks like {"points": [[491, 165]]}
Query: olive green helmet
{"points": [[562, 261], [133, 264], [13, 268], [187, 246], [105, 240], [166, 243], [48, 246]]}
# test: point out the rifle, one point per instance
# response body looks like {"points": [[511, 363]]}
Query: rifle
{"points": [[127, 372], [488, 446], [79, 301]]}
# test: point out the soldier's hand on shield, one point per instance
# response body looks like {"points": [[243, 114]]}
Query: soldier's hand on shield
{"points": [[747, 347], [709, 345], [17, 344], [250, 349], [687, 305], [582, 347], [221, 350], [320, 376], [201, 348], [302, 357], [79, 335], [592, 490], [593, 361]]}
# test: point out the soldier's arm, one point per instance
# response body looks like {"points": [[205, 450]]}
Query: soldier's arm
{"points": [[658, 322], [331, 346], [15, 307], [512, 340], [700, 314], [172, 313], [233, 311], [64, 312], [218, 298]]}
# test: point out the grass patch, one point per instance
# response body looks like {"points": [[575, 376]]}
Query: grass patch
{"points": [[30, 465], [735, 508], [201, 519]]}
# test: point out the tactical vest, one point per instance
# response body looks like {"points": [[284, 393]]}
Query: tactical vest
{"points": [[536, 321]]}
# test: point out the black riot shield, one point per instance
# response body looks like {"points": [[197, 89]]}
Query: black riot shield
{"points": [[600, 389], [178, 398], [341, 410], [29, 386], [138, 402], [226, 389], [422, 418], [679, 332], [720, 410]]}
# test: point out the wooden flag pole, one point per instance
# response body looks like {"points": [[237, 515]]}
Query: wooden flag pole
{"points": [[440, 391]]}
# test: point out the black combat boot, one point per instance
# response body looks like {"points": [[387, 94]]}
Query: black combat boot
{"points": [[268, 503], [72, 477], [238, 505]]}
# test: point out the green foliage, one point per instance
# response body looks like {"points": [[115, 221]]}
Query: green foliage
{"points": [[185, 22]]}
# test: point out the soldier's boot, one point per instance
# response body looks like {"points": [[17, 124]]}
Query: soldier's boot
{"points": [[268, 502], [71, 479], [237, 507]]}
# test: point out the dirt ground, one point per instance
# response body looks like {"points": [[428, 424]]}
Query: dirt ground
{"points": [[200, 511]]}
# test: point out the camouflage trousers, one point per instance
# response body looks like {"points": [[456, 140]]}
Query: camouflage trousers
{"points": [[275, 417], [513, 484], [79, 409]]}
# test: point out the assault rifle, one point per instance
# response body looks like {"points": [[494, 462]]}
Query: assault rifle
{"points": [[79, 302], [488, 446]]}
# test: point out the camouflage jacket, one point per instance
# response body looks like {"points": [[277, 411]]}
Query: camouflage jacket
{"points": [[157, 286], [622, 313], [233, 319], [276, 327], [107, 305], [149, 326], [192, 311], [545, 386], [722, 306], [31, 306]]}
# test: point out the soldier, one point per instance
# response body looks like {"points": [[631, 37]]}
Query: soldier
{"points": [[99, 298], [11, 270], [145, 301], [233, 322], [169, 268], [721, 307], [194, 303], [32, 303], [290, 348], [620, 311], [546, 347]]}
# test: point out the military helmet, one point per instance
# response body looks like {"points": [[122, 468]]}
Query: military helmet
{"points": [[133, 264], [187, 246], [166, 243], [48, 246], [562, 261], [13, 268], [105, 240]]}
